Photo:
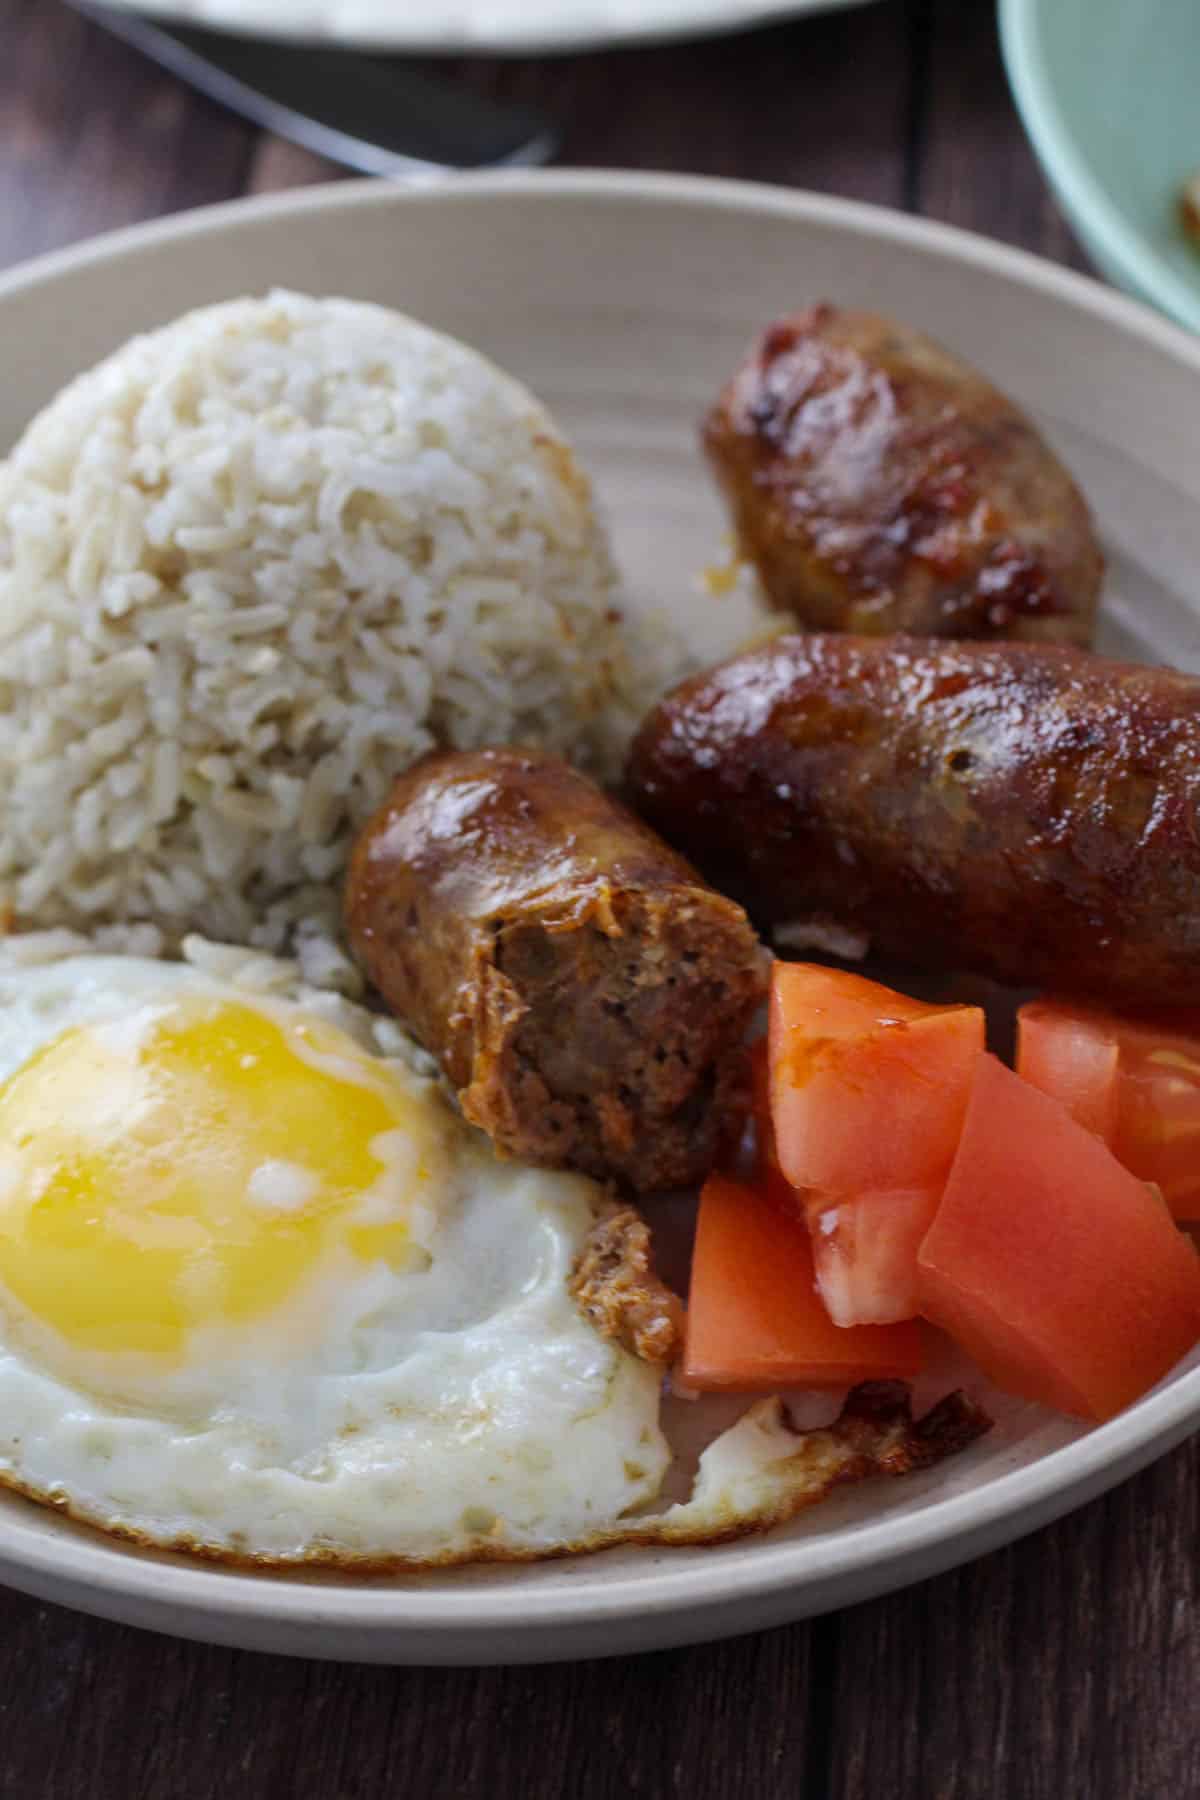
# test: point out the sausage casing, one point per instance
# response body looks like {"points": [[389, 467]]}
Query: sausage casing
{"points": [[1028, 812], [582, 988], [881, 484]]}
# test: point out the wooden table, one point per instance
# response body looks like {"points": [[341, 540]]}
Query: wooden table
{"points": [[1065, 1668]]}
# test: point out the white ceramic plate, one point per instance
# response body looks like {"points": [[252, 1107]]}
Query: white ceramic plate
{"points": [[506, 27], [624, 300]]}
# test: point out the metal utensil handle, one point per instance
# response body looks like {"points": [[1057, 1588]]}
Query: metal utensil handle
{"points": [[375, 114]]}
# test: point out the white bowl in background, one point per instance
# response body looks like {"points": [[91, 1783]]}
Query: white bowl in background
{"points": [[480, 27]]}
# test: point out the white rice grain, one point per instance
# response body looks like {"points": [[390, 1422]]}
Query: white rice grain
{"points": [[250, 567]]}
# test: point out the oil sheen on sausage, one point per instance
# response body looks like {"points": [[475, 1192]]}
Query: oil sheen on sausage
{"points": [[1028, 812], [880, 484], [584, 991]]}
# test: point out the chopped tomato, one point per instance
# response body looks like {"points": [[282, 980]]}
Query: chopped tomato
{"points": [[755, 1320], [868, 1087], [766, 1156], [865, 1252], [1071, 1056], [1136, 1082], [868, 1092], [1158, 1114], [1060, 1272], [864, 1246]]}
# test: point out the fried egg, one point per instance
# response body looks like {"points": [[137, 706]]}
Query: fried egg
{"points": [[263, 1294], [266, 1297]]}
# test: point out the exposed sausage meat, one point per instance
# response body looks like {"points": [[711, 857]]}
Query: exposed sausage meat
{"points": [[585, 992], [616, 1285]]}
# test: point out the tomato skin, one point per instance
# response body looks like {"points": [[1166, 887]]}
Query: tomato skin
{"points": [[766, 1156], [1056, 1269], [868, 1087], [1136, 1082], [755, 1321]]}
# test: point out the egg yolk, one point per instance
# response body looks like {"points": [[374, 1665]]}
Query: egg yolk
{"points": [[191, 1166]]}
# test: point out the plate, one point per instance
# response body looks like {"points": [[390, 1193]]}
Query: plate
{"points": [[625, 300], [505, 27], [1108, 94]]}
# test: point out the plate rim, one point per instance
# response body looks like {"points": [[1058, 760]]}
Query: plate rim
{"points": [[862, 218], [208, 1601], [1128, 252], [555, 35]]}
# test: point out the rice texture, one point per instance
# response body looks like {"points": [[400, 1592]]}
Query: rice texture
{"points": [[250, 567]]}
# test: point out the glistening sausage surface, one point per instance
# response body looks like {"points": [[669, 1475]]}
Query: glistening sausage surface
{"points": [[582, 988], [1028, 812], [881, 484]]}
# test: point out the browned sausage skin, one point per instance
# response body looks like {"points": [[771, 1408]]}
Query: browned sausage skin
{"points": [[584, 991], [1029, 812], [879, 484]]}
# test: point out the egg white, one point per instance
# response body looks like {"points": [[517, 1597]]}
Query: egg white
{"points": [[448, 1404], [460, 1406]]}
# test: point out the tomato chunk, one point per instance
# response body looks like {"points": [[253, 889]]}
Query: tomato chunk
{"points": [[1073, 1057], [766, 1156], [868, 1093], [1060, 1272], [755, 1320], [1136, 1082], [868, 1087], [864, 1250], [864, 1246]]}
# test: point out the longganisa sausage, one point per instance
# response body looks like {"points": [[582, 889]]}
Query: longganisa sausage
{"points": [[879, 484], [1027, 812], [584, 991]]}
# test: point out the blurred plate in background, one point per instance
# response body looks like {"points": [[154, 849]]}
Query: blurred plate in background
{"points": [[518, 27], [1110, 95]]}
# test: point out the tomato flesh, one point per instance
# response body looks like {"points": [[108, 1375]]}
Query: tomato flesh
{"points": [[1054, 1267], [1136, 1082], [868, 1089], [1158, 1119], [755, 1320], [1074, 1058], [864, 1249]]}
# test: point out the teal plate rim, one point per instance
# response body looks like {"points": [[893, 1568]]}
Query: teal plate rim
{"points": [[1123, 250]]}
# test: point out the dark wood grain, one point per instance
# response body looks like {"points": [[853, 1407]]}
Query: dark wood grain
{"points": [[765, 106], [88, 1708], [93, 137], [1064, 1668], [971, 166], [822, 102]]}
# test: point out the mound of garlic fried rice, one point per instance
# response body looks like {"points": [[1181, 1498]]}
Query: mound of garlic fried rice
{"points": [[250, 567]]}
